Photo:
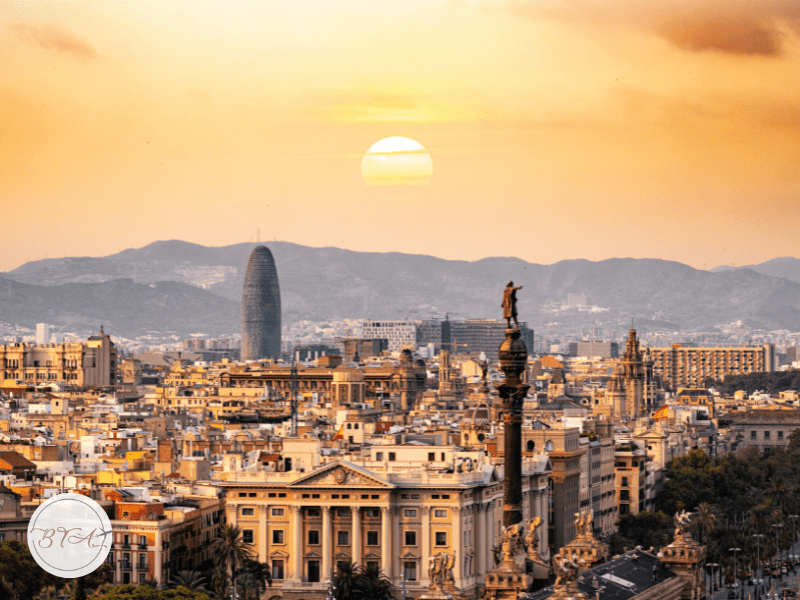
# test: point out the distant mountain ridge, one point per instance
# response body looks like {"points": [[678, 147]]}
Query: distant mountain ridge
{"points": [[198, 289]]}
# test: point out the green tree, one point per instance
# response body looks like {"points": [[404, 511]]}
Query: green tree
{"points": [[705, 519], [345, 580], [191, 580], [21, 572], [230, 549], [146, 592], [372, 584], [645, 529]]}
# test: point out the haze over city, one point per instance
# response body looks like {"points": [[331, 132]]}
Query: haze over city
{"points": [[644, 129]]}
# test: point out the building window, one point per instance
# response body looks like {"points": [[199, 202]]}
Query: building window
{"points": [[313, 512], [431, 456], [441, 538], [248, 512], [379, 456], [780, 435], [247, 536], [372, 538], [313, 571], [440, 513], [313, 537], [410, 512], [753, 435], [342, 512], [372, 564], [371, 512], [411, 538], [142, 577], [410, 570], [343, 538], [277, 569], [392, 456], [624, 482], [277, 536], [766, 435], [277, 512]]}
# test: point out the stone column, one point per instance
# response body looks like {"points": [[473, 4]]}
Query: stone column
{"points": [[356, 534], [327, 542], [458, 547], [480, 540], [263, 534], [490, 536], [386, 540], [426, 545], [297, 543]]}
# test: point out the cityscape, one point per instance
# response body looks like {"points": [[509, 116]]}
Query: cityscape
{"points": [[421, 300]]}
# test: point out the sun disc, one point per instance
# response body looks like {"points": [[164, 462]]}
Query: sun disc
{"points": [[397, 164]]}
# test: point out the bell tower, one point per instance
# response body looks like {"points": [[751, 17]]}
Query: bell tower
{"points": [[633, 374]]}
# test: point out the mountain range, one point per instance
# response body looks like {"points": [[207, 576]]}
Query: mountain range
{"points": [[188, 288]]}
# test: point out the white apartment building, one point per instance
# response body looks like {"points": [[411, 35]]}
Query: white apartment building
{"points": [[399, 333]]}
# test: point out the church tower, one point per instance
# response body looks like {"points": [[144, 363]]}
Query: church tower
{"points": [[633, 374]]}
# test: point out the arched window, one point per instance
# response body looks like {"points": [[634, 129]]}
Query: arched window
{"points": [[530, 446], [549, 446]]}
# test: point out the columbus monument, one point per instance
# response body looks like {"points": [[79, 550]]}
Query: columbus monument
{"points": [[509, 578], [261, 307]]}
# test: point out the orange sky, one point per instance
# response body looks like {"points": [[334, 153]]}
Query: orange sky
{"points": [[558, 129]]}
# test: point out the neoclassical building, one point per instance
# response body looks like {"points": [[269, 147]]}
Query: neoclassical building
{"points": [[93, 363], [391, 510]]}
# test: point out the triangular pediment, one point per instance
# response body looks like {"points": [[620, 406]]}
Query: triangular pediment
{"points": [[341, 474]]}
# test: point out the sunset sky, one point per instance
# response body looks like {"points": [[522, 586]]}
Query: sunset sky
{"points": [[557, 128]]}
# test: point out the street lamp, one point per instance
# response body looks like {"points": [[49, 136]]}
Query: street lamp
{"points": [[713, 566], [735, 563], [793, 518], [759, 572]]}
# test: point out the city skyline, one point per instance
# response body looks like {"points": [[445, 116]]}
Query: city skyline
{"points": [[659, 130]]}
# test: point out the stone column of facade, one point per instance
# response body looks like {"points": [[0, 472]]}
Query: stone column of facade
{"points": [[480, 539], [263, 534], [297, 543], [327, 542], [458, 547], [490, 537], [355, 512], [386, 540], [426, 544]]}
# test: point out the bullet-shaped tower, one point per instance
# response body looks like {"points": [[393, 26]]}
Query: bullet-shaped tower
{"points": [[261, 307]]}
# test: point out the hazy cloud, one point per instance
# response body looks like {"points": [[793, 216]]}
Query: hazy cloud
{"points": [[52, 37], [749, 27]]}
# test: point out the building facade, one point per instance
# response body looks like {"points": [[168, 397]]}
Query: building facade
{"points": [[89, 364], [684, 366], [306, 524], [399, 334]]}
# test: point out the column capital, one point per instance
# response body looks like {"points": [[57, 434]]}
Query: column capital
{"points": [[326, 509], [263, 509], [294, 509], [356, 510], [426, 510], [456, 509], [387, 510]]}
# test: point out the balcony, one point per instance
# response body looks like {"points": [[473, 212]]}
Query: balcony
{"points": [[126, 564], [143, 546]]}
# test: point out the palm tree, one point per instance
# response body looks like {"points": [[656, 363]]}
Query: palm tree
{"points": [[260, 571], [706, 520], [191, 580], [230, 549], [759, 517], [345, 580], [372, 584], [248, 587]]}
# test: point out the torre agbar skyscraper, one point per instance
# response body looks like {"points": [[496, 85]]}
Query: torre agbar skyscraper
{"points": [[261, 307]]}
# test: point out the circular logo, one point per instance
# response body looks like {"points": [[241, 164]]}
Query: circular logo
{"points": [[69, 535]]}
